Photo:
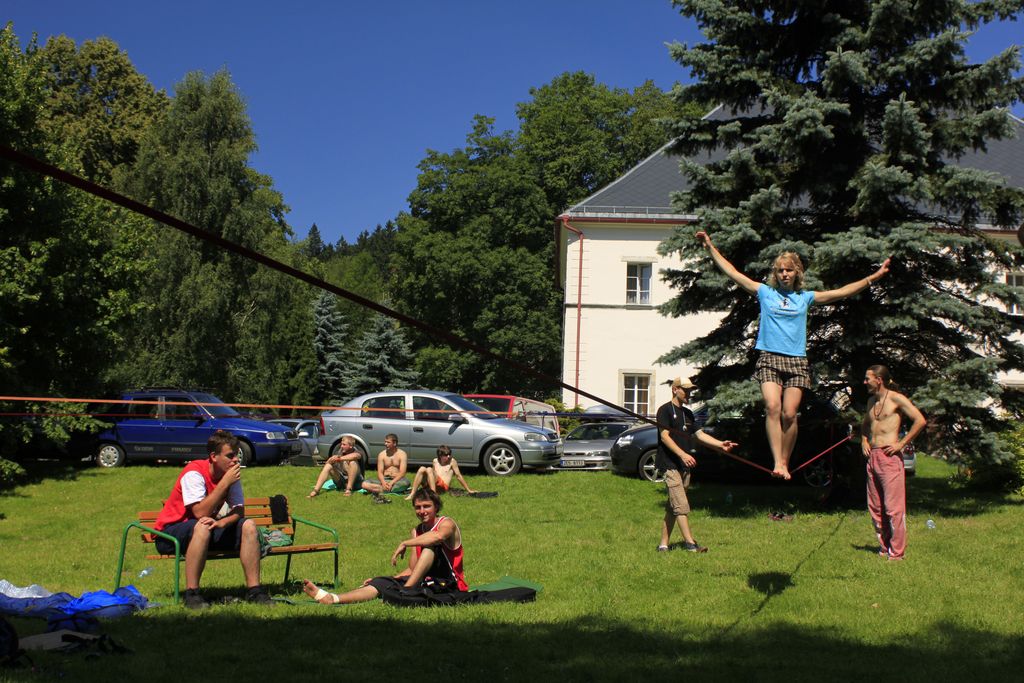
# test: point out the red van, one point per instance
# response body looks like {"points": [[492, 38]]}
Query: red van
{"points": [[518, 408]]}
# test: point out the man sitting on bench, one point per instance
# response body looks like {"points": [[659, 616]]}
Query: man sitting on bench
{"points": [[191, 515]]}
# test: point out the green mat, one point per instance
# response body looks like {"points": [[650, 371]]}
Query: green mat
{"points": [[508, 582]]}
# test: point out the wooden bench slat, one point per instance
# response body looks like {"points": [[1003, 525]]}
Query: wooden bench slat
{"points": [[279, 550]]}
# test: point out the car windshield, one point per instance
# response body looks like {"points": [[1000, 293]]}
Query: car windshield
{"points": [[477, 409], [220, 410], [497, 404], [595, 432]]}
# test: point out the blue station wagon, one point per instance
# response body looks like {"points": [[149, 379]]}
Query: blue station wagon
{"points": [[174, 424]]}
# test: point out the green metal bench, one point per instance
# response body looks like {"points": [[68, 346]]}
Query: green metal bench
{"points": [[256, 509]]}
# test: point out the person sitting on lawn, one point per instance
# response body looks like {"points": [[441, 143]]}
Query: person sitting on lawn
{"points": [[342, 468], [392, 463], [437, 562], [191, 515], [439, 475]]}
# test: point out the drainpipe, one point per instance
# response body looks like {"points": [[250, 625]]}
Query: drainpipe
{"points": [[579, 302]]}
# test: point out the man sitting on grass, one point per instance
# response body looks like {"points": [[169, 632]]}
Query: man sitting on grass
{"points": [[439, 475], [392, 463], [191, 515], [436, 562], [342, 468]]}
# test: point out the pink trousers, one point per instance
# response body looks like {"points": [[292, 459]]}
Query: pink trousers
{"points": [[887, 501]]}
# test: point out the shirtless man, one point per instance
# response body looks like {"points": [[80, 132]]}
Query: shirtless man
{"points": [[392, 463], [439, 474], [882, 446]]}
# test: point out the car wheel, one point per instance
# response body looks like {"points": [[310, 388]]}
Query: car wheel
{"points": [[646, 467], [245, 454], [109, 455], [819, 473], [502, 460]]}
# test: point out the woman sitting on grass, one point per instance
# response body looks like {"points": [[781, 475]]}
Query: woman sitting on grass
{"points": [[439, 474], [436, 564]]}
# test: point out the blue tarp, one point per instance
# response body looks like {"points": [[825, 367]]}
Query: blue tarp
{"points": [[60, 606]]}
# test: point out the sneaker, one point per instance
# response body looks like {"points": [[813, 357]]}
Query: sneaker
{"points": [[258, 596], [662, 548], [694, 548], [194, 600]]}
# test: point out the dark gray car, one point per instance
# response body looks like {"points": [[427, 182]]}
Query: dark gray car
{"points": [[423, 420], [308, 431]]}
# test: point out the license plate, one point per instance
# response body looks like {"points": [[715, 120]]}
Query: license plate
{"points": [[573, 463]]}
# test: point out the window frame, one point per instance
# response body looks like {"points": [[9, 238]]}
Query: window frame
{"points": [[625, 391], [1016, 280], [635, 283]]}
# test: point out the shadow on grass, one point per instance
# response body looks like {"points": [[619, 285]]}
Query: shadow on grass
{"points": [[950, 500], [38, 471], [746, 501], [934, 495], [277, 644]]}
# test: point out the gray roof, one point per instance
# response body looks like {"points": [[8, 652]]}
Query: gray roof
{"points": [[645, 189]]}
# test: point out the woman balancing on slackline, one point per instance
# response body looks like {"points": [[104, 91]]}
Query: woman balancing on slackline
{"points": [[782, 368]]}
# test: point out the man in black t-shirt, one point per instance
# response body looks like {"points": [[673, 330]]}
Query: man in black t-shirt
{"points": [[676, 441]]}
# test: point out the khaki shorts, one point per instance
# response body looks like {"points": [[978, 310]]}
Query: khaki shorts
{"points": [[675, 484]]}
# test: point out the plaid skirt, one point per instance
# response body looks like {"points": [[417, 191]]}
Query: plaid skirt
{"points": [[786, 371]]}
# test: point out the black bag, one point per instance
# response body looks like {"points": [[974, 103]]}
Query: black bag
{"points": [[439, 596], [279, 509]]}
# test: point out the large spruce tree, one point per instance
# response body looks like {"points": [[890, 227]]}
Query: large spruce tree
{"points": [[382, 360], [841, 125], [329, 347]]}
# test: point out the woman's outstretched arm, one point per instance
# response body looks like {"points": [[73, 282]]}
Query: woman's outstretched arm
{"points": [[726, 267], [845, 291]]}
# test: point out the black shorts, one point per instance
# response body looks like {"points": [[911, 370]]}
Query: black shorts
{"points": [[223, 538]]}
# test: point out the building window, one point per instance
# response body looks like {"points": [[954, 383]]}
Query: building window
{"points": [[636, 393], [638, 283], [1015, 280]]}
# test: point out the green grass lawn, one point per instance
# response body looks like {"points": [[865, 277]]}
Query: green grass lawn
{"points": [[802, 600]]}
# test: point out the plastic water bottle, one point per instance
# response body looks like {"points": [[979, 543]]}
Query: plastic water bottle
{"points": [[145, 572], [930, 524], [728, 498]]}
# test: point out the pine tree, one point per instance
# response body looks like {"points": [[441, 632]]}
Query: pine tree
{"points": [[383, 360], [329, 346], [840, 124], [314, 246]]}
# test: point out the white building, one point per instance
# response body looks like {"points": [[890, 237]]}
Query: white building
{"points": [[610, 274]]}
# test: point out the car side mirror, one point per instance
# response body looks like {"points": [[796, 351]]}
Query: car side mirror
{"points": [[457, 418], [199, 417]]}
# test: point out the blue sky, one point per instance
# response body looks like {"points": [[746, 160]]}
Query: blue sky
{"points": [[346, 97]]}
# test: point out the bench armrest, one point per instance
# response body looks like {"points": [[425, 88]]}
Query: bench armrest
{"points": [[302, 520], [149, 530]]}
